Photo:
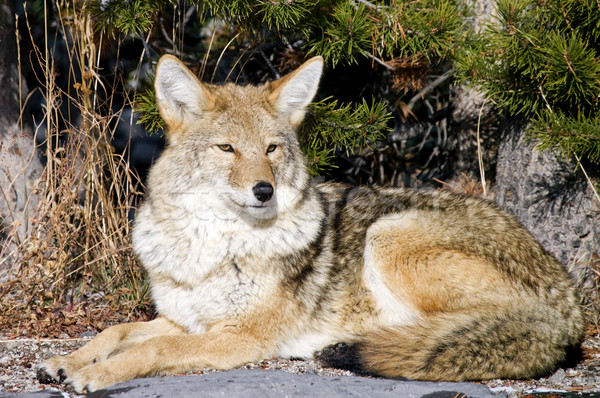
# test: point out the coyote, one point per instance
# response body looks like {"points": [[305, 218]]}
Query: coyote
{"points": [[249, 259]]}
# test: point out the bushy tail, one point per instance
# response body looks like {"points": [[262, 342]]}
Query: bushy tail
{"points": [[514, 343]]}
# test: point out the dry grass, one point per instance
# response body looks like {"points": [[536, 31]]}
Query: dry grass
{"points": [[78, 252]]}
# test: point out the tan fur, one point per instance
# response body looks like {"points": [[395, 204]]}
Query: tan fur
{"points": [[426, 275], [250, 168], [248, 259]]}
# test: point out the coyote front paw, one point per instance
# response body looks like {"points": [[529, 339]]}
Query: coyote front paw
{"points": [[91, 378], [54, 370], [59, 369]]}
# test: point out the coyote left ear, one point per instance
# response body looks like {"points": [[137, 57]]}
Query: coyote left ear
{"points": [[292, 93]]}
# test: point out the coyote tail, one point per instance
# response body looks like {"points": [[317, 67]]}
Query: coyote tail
{"points": [[464, 346]]}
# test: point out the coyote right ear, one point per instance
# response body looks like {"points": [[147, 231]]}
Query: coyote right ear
{"points": [[178, 92]]}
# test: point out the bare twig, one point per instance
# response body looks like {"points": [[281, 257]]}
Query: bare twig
{"points": [[378, 60], [269, 64], [587, 177], [221, 56], [429, 88], [237, 61], [205, 60]]}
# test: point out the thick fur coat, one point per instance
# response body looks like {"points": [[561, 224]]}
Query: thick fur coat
{"points": [[248, 259]]}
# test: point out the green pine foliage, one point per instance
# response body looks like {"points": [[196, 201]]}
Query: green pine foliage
{"points": [[149, 116], [568, 135], [407, 37], [127, 17], [330, 128], [342, 35], [343, 31], [401, 33], [429, 29], [540, 59]]}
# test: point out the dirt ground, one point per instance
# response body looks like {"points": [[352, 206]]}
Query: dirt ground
{"points": [[19, 356]]}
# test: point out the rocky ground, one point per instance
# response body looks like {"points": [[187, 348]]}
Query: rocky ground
{"points": [[18, 359]]}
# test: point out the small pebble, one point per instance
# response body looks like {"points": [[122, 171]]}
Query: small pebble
{"points": [[87, 334], [11, 345], [558, 377]]}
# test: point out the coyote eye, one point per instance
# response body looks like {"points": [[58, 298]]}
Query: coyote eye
{"points": [[271, 148], [226, 147]]}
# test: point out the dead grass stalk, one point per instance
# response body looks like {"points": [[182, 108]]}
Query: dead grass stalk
{"points": [[78, 251]]}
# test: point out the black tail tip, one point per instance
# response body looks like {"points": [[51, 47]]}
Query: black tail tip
{"points": [[342, 356], [347, 356]]}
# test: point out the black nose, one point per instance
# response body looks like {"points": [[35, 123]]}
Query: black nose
{"points": [[263, 191]]}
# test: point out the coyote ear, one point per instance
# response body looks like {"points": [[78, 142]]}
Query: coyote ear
{"points": [[292, 93], [179, 92]]}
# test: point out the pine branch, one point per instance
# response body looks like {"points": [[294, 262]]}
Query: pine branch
{"points": [[565, 135], [149, 116], [331, 128], [344, 35], [540, 60]]}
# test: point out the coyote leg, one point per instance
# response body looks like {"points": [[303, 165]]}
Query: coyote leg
{"points": [[110, 342]]}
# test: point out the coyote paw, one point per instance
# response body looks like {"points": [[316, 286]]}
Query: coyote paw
{"points": [[90, 378], [53, 370], [75, 376]]}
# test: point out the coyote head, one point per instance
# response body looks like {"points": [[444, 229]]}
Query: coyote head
{"points": [[239, 143]]}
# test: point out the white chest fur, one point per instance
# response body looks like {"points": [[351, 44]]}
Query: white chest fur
{"points": [[217, 297], [208, 268]]}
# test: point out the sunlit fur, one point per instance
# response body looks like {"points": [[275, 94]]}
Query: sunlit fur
{"points": [[425, 285]]}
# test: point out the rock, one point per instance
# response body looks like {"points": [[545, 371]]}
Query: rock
{"points": [[11, 345], [39, 394], [266, 383], [551, 198], [558, 377]]}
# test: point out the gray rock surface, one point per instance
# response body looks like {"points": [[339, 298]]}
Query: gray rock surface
{"points": [[18, 377], [551, 198], [268, 383]]}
